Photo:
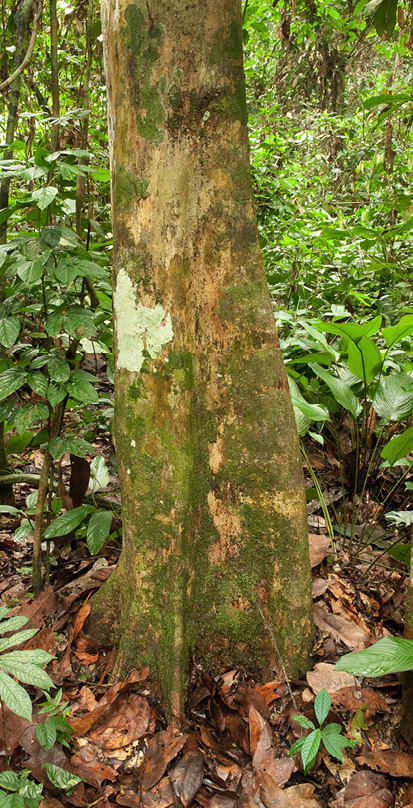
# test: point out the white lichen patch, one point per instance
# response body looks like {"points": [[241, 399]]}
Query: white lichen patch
{"points": [[139, 328], [133, 443]]}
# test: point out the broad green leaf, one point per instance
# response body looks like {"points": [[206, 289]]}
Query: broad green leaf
{"points": [[332, 744], [322, 704], [80, 447], [65, 273], [9, 331], [54, 323], [393, 399], [9, 780], [310, 748], [13, 801], [17, 639], [316, 412], [17, 443], [400, 517], [55, 393], [46, 734], [352, 331], [44, 196], [82, 391], [98, 530], [390, 655], [79, 322], [364, 359], [331, 729], [401, 552], [99, 474], [8, 509], [398, 447], [302, 421], [30, 271], [28, 673], [87, 269], [4, 610], [35, 656], [38, 383], [11, 380], [15, 696], [386, 98], [13, 624], [60, 777], [303, 721], [67, 522], [296, 747], [29, 413], [340, 390], [394, 333], [58, 447], [384, 17], [59, 369]]}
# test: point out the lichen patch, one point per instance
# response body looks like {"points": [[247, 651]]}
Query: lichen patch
{"points": [[139, 328]]}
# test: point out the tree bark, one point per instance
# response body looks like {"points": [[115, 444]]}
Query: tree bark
{"points": [[214, 514]]}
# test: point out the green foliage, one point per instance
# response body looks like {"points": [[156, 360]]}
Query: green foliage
{"points": [[19, 791], [330, 735], [56, 727], [26, 666], [390, 655]]}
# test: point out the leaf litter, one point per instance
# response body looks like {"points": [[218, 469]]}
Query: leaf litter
{"points": [[233, 749]]}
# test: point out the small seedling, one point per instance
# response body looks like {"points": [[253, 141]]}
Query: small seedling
{"points": [[56, 727], [330, 735]]}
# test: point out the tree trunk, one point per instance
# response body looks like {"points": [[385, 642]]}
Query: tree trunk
{"points": [[214, 513]]}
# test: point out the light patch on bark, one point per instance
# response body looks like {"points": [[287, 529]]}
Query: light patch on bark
{"points": [[288, 504], [216, 455], [229, 529], [139, 327]]}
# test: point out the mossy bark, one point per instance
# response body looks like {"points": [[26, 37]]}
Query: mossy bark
{"points": [[212, 487]]}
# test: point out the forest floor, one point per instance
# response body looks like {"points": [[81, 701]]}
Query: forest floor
{"points": [[233, 749]]}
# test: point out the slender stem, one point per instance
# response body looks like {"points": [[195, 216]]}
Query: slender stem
{"points": [[29, 53]]}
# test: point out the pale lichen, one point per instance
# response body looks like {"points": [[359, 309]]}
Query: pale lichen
{"points": [[140, 328]]}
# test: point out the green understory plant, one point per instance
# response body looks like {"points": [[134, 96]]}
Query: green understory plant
{"points": [[389, 655], [357, 392], [330, 735], [24, 665]]}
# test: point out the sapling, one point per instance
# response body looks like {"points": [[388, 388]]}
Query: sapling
{"points": [[330, 735]]}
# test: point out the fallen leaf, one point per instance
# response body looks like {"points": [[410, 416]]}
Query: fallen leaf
{"points": [[223, 801], [324, 675], [162, 796], [39, 608], [346, 630], [354, 698], [82, 725], [81, 616], [45, 640], [265, 758], [319, 586], [124, 724], [87, 766], [301, 796], [398, 764], [162, 748], [187, 776], [272, 796], [319, 547]]}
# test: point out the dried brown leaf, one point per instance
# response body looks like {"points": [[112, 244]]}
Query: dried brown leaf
{"points": [[398, 764], [162, 748], [346, 630], [123, 723], [324, 675], [187, 776], [272, 796]]}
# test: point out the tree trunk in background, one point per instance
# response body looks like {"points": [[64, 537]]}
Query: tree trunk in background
{"points": [[212, 485]]}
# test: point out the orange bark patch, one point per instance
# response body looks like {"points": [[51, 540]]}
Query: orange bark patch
{"points": [[228, 527], [216, 455]]}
